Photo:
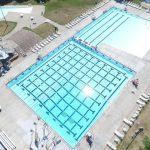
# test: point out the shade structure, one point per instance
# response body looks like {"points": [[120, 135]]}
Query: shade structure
{"points": [[3, 55]]}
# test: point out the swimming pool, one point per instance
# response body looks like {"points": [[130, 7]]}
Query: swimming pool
{"points": [[19, 9], [119, 29], [71, 87]]}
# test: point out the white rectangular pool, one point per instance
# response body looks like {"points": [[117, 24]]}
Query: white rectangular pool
{"points": [[119, 29], [18, 9]]}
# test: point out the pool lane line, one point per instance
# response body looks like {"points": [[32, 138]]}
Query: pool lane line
{"points": [[92, 121], [87, 75], [113, 30], [83, 81], [40, 66], [90, 69], [114, 21], [49, 112], [104, 57], [93, 25], [101, 26], [48, 60], [63, 97]]}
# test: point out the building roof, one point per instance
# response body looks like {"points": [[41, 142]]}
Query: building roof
{"points": [[25, 39], [3, 55]]}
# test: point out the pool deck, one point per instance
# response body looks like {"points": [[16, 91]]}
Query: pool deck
{"points": [[16, 119]]}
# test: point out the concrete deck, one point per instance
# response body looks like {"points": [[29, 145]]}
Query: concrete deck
{"points": [[16, 119], [25, 21]]}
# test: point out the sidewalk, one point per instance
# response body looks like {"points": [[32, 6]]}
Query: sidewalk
{"points": [[26, 21]]}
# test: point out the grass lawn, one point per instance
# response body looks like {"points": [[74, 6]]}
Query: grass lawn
{"points": [[142, 121], [63, 11], [6, 28], [43, 30], [137, 1]]}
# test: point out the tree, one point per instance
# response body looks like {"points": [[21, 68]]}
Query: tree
{"points": [[20, 1], [3, 2], [41, 1], [146, 142]]}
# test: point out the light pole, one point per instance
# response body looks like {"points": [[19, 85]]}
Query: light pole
{"points": [[137, 132]]}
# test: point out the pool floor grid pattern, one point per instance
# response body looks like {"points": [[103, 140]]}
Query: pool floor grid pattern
{"points": [[54, 91]]}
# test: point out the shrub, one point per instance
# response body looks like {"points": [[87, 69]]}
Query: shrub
{"points": [[146, 142]]}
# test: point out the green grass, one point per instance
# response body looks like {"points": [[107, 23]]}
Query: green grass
{"points": [[43, 30], [142, 121], [26, 28], [137, 1], [6, 28], [63, 11]]}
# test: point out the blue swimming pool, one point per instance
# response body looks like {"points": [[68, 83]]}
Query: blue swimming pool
{"points": [[118, 29], [71, 87]]}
